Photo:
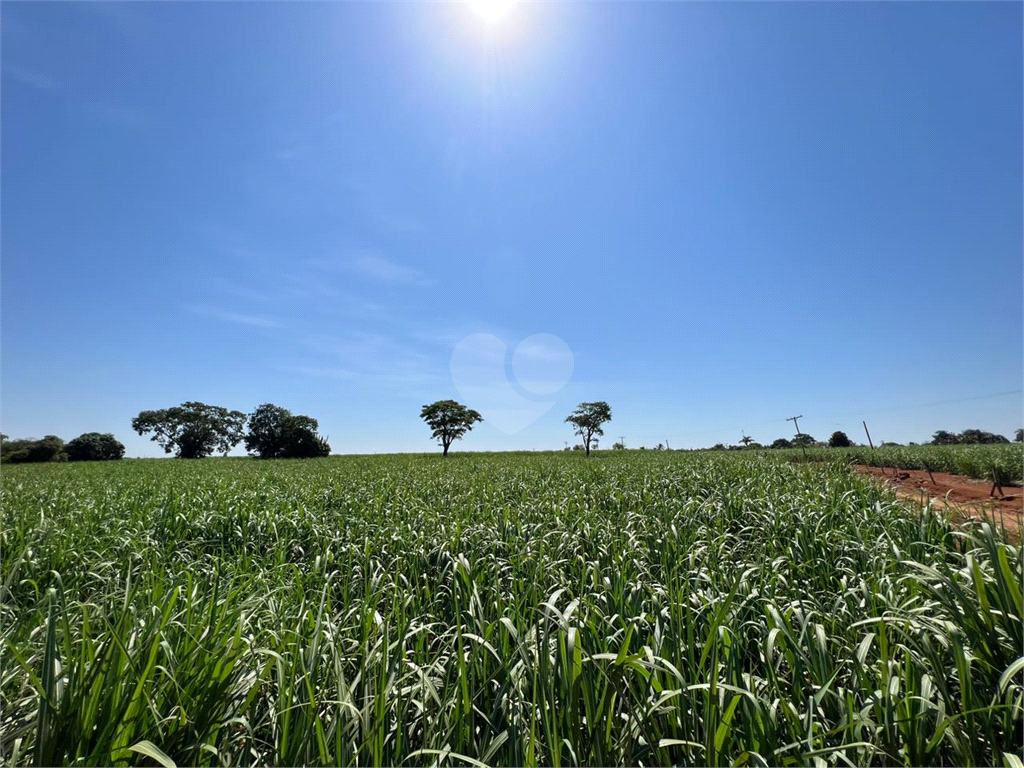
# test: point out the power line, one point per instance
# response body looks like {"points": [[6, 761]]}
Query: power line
{"points": [[930, 405]]}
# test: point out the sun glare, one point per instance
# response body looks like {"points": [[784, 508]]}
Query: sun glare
{"points": [[490, 10]]}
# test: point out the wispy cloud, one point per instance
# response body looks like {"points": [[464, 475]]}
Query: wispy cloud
{"points": [[128, 21], [107, 109], [236, 318], [379, 268], [31, 77], [319, 372], [372, 358]]}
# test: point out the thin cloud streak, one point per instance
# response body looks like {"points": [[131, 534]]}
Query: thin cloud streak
{"points": [[236, 318], [32, 77], [379, 268]]}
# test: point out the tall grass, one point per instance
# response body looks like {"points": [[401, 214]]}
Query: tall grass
{"points": [[658, 609], [1005, 460]]}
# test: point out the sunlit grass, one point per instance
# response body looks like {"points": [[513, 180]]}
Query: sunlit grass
{"points": [[655, 609]]}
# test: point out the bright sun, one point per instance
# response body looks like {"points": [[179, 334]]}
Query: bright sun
{"points": [[490, 10]]}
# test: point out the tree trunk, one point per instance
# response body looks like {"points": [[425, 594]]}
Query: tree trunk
{"points": [[446, 448]]}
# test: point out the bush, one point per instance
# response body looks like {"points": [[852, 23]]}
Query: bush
{"points": [[93, 446]]}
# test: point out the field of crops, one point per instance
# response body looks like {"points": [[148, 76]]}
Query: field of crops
{"points": [[1006, 460], [499, 609]]}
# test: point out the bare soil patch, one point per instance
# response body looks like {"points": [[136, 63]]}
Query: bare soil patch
{"points": [[965, 497]]}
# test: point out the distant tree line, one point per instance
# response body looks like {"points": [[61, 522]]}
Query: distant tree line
{"points": [[970, 437], [191, 430], [840, 440], [194, 430], [92, 446]]}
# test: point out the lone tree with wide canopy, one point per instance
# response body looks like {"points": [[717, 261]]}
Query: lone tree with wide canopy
{"points": [[192, 430], [587, 420], [449, 421]]}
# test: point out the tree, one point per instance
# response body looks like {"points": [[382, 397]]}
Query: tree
{"points": [[277, 433], [942, 437], [449, 421], [93, 446], [781, 443], [979, 437], [192, 430], [30, 451], [587, 420], [746, 440], [1018, 437], [803, 440], [618, 446], [839, 440]]}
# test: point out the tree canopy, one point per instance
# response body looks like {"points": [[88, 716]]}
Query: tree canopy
{"points": [[839, 440], [192, 430], [588, 419], [277, 433], [94, 446], [967, 437], [449, 421], [31, 451]]}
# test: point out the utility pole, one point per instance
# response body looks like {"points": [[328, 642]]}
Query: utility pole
{"points": [[873, 449], [622, 441], [795, 424], [667, 446]]}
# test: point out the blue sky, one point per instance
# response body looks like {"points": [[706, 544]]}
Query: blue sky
{"points": [[727, 213]]}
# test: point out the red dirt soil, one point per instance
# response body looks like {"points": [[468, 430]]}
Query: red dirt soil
{"points": [[967, 498]]}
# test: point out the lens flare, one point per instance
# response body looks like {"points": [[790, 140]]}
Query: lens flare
{"points": [[491, 10]]}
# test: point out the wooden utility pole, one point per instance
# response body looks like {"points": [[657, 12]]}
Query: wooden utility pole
{"points": [[868, 434]]}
